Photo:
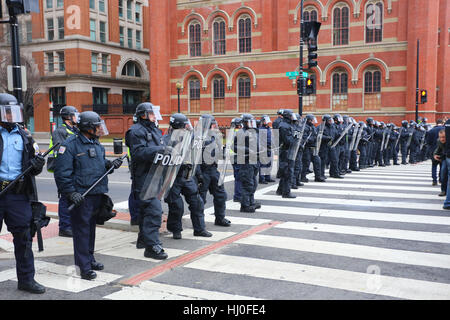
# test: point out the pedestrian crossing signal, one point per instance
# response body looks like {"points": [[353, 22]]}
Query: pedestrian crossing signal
{"points": [[423, 96], [309, 88]]}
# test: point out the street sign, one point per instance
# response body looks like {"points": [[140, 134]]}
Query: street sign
{"points": [[295, 74]]}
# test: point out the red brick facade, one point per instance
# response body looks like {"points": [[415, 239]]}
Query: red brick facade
{"points": [[387, 93]]}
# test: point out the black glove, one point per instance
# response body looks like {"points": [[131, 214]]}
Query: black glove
{"points": [[76, 198], [38, 162], [117, 163]]}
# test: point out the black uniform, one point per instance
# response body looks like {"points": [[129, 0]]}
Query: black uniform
{"points": [[308, 153], [287, 140]]}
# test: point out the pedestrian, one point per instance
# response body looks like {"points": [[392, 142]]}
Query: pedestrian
{"points": [[144, 140], [18, 152], [69, 115], [447, 160], [431, 139], [80, 163], [439, 156]]}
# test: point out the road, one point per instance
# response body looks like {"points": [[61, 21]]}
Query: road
{"points": [[377, 234]]}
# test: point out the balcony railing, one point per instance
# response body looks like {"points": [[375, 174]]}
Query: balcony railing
{"points": [[104, 109]]}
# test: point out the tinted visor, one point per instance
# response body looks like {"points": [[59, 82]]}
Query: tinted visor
{"points": [[11, 113]]}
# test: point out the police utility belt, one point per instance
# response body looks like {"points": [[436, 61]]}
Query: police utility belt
{"points": [[17, 189]]}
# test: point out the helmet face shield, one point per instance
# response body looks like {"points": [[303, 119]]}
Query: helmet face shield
{"points": [[101, 129], [188, 125], [267, 119], [12, 113], [294, 117], [76, 117]]}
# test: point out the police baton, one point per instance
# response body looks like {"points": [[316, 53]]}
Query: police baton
{"points": [[13, 183], [97, 182]]}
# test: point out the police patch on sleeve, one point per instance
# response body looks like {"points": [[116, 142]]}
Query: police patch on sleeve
{"points": [[36, 148], [61, 150]]}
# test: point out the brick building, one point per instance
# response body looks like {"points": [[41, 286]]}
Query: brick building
{"points": [[92, 54], [231, 56]]}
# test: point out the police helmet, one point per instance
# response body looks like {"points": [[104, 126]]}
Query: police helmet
{"points": [[370, 120], [207, 121], [146, 109], [280, 112], [91, 120], [236, 122], [288, 114], [326, 117], [10, 110], [68, 112], [248, 120], [266, 119], [405, 123], [362, 124], [179, 121], [311, 118]]}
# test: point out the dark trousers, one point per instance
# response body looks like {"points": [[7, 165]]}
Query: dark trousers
{"points": [[298, 166], [328, 154], [149, 217], [64, 214], [308, 156], [237, 183], [265, 169], [188, 188], [363, 160], [404, 150], [210, 183], [83, 229], [248, 174], [353, 160], [133, 206], [15, 209]]}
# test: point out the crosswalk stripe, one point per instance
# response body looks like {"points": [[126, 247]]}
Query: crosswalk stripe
{"points": [[425, 236], [386, 195], [378, 176], [348, 214], [392, 174], [405, 188], [372, 180], [366, 203], [350, 250], [324, 277], [210, 217], [188, 234], [149, 290]]}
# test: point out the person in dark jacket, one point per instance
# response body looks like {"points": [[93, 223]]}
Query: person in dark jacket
{"points": [[287, 141], [80, 163], [18, 151], [431, 139], [439, 156]]}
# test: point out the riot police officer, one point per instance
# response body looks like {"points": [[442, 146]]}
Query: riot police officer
{"points": [[404, 137], [236, 124], [389, 144], [326, 153], [308, 152], [18, 152], [69, 115], [286, 162], [208, 175], [370, 130], [395, 144], [298, 164], [278, 120], [80, 163], [266, 136], [363, 146], [414, 143], [183, 185], [144, 140], [246, 149], [341, 146]]}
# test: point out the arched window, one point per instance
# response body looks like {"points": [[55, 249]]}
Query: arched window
{"points": [[218, 94], [374, 22], [310, 14], [244, 93], [339, 99], [195, 42], [194, 95], [309, 101], [131, 69], [245, 34], [219, 37], [372, 89], [340, 26]]}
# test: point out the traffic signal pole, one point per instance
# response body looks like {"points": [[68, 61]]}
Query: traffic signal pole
{"points": [[15, 54], [300, 95], [417, 83]]}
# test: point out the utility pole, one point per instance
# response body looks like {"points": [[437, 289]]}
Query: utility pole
{"points": [[300, 81], [15, 54], [417, 82]]}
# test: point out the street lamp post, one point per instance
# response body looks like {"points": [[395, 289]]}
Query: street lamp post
{"points": [[178, 90]]}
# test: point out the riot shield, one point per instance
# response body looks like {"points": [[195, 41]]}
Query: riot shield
{"points": [[342, 135], [166, 165], [354, 136], [319, 139], [358, 138], [411, 132], [387, 140], [293, 150], [382, 141], [194, 155], [231, 133]]}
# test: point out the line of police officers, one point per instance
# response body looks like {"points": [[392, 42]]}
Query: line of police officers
{"points": [[80, 163]]}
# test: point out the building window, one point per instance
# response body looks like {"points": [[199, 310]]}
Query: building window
{"points": [[129, 12], [94, 62], [310, 15], [105, 63], [372, 90], [62, 65], [120, 8], [122, 36], [340, 90], [244, 94], [100, 96], [60, 27], [131, 69], [131, 98], [340, 26], [29, 29], [245, 34], [60, 3], [309, 101], [102, 31], [138, 12], [93, 30], [92, 4], [130, 38], [101, 5], [374, 22], [50, 62], [50, 29], [195, 44], [219, 37], [219, 94], [49, 4], [138, 39], [194, 95]]}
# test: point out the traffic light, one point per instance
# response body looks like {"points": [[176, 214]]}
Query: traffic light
{"points": [[309, 88], [300, 82], [309, 34], [17, 7], [423, 96]]}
